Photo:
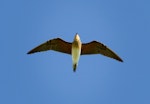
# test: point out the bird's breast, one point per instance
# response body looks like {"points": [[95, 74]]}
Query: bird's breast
{"points": [[76, 51]]}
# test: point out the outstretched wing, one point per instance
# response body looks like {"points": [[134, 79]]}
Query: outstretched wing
{"points": [[95, 47], [54, 44]]}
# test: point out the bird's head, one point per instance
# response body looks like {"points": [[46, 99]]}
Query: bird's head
{"points": [[76, 38]]}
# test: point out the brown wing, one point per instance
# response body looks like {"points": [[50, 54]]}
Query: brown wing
{"points": [[95, 47], [54, 44]]}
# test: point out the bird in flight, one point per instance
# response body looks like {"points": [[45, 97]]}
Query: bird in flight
{"points": [[76, 48]]}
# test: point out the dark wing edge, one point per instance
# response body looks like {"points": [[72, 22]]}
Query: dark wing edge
{"points": [[56, 44], [95, 47]]}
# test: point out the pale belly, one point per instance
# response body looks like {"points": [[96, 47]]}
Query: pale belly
{"points": [[76, 55]]}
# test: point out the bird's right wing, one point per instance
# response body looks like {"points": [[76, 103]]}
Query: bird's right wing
{"points": [[95, 47], [54, 44]]}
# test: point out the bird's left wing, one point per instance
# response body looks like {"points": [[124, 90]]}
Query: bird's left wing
{"points": [[54, 44], [95, 47]]}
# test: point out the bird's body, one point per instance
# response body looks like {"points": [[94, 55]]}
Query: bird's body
{"points": [[76, 48], [76, 51]]}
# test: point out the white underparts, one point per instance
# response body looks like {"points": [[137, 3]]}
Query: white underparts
{"points": [[75, 56]]}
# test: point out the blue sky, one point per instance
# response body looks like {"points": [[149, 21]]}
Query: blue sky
{"points": [[48, 78]]}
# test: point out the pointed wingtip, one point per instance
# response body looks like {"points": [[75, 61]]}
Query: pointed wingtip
{"points": [[29, 52], [32, 51], [119, 59]]}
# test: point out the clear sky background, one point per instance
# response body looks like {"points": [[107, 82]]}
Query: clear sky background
{"points": [[48, 78]]}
